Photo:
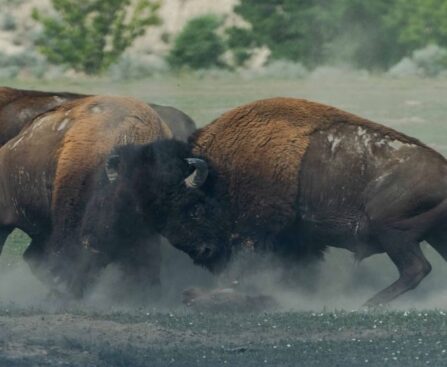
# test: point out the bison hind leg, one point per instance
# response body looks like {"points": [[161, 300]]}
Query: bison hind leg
{"points": [[411, 264]]}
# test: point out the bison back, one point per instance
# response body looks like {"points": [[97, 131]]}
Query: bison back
{"points": [[48, 169], [258, 149], [20, 107], [100, 124]]}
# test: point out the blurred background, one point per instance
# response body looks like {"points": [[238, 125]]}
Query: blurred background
{"points": [[128, 39]]}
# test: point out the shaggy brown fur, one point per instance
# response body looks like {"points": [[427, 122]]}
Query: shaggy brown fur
{"points": [[47, 171], [19, 107], [101, 123], [267, 139]]}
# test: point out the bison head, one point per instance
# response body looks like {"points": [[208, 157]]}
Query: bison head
{"points": [[174, 194]]}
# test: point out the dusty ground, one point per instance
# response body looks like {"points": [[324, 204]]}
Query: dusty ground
{"points": [[316, 328], [147, 338]]}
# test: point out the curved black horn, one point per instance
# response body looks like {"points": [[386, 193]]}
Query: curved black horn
{"points": [[198, 177]]}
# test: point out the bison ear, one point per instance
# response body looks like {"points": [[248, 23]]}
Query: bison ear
{"points": [[112, 164]]}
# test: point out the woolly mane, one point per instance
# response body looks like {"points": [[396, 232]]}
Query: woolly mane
{"points": [[94, 126], [258, 148]]}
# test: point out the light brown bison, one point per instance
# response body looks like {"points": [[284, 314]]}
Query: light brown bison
{"points": [[18, 107], [48, 172], [98, 180], [300, 176]]}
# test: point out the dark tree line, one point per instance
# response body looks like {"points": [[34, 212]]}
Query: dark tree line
{"points": [[366, 34]]}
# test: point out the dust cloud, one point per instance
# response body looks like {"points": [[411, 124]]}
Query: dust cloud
{"points": [[337, 283], [19, 288], [340, 283]]}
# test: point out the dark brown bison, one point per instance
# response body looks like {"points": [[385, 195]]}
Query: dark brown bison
{"points": [[295, 176], [300, 176], [54, 174], [287, 176], [18, 107]]}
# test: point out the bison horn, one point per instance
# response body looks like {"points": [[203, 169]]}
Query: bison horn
{"points": [[198, 177], [112, 167]]}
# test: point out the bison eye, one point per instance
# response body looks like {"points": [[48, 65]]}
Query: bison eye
{"points": [[197, 211]]}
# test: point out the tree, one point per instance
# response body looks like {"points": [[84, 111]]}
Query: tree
{"points": [[315, 32], [90, 35], [362, 36], [198, 46], [292, 29], [421, 22]]}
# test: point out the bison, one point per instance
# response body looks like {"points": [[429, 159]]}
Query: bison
{"points": [[55, 173], [18, 107], [296, 176]]}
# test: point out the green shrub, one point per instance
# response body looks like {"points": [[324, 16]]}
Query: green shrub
{"points": [[90, 35], [241, 41], [28, 60], [198, 46]]}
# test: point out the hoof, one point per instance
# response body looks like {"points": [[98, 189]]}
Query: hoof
{"points": [[373, 306]]}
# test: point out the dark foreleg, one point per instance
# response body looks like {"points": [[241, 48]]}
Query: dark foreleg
{"points": [[141, 264], [53, 269], [35, 257]]}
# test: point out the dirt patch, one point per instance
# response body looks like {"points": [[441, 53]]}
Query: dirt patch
{"points": [[152, 338]]}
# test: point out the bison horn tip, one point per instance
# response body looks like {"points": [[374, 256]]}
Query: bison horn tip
{"points": [[200, 174]]}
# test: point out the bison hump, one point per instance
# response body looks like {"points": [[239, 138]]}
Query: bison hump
{"points": [[258, 149], [96, 125]]}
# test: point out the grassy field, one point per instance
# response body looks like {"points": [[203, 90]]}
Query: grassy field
{"points": [[36, 332]]}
